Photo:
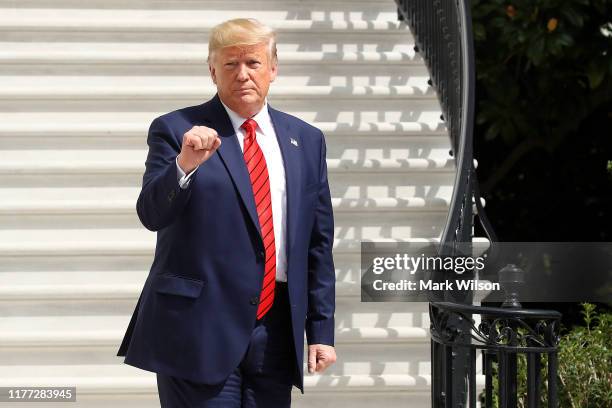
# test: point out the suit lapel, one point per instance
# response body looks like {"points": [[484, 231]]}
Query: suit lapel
{"points": [[289, 143], [231, 155]]}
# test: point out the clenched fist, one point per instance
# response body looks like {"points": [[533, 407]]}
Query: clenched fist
{"points": [[320, 356], [199, 143]]}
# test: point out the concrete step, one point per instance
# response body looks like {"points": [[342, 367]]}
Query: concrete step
{"points": [[74, 207], [201, 20], [414, 213], [75, 52], [137, 59], [78, 340], [179, 17], [67, 201], [107, 251], [311, 109], [358, 68], [356, 8], [76, 130], [185, 87], [354, 219], [82, 168], [359, 191], [127, 241], [34, 251], [107, 331], [121, 379], [188, 26], [282, 18], [121, 200], [95, 285], [124, 379], [79, 275], [314, 397], [355, 359], [73, 292], [116, 126], [167, 93], [365, 67], [405, 139], [62, 290], [351, 314], [369, 140], [361, 110], [37, 301], [129, 161]]}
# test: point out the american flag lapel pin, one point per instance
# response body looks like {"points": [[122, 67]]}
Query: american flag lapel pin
{"points": [[294, 142]]}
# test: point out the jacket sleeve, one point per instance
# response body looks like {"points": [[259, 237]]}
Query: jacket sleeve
{"points": [[321, 272], [161, 199]]}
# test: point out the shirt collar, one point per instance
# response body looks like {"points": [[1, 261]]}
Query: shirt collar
{"points": [[262, 117]]}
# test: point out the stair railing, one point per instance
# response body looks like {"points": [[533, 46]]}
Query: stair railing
{"points": [[442, 30]]}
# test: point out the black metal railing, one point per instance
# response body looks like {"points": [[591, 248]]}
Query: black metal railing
{"points": [[443, 37], [503, 335], [442, 31]]}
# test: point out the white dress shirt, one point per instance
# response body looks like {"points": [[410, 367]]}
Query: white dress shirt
{"points": [[266, 138]]}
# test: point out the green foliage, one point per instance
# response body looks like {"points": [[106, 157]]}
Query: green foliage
{"points": [[585, 362], [585, 366], [521, 385], [542, 67]]}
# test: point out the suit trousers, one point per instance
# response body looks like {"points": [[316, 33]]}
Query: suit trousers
{"points": [[263, 379]]}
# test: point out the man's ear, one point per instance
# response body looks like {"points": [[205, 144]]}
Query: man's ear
{"points": [[273, 71], [213, 73]]}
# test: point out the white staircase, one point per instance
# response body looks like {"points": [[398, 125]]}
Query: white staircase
{"points": [[80, 82]]}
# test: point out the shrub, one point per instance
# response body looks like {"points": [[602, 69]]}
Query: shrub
{"points": [[542, 67], [585, 366]]}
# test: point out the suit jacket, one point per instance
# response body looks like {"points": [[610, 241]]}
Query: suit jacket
{"points": [[197, 309]]}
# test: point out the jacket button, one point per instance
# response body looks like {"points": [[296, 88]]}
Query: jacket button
{"points": [[171, 195], [262, 255], [254, 300]]}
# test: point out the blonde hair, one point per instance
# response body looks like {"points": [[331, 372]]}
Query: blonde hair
{"points": [[242, 32]]}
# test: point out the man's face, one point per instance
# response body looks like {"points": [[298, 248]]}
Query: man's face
{"points": [[243, 76]]}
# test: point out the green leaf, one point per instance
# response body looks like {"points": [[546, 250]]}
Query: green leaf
{"points": [[493, 131], [481, 119], [572, 16], [535, 51], [564, 39], [480, 33], [596, 73], [508, 132], [499, 22]]}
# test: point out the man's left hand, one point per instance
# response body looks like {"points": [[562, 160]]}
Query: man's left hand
{"points": [[320, 356]]}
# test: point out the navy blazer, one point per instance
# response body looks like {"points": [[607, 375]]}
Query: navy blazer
{"points": [[198, 307]]}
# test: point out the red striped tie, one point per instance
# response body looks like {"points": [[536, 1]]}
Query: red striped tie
{"points": [[258, 172]]}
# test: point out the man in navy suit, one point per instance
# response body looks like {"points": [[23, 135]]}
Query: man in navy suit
{"points": [[238, 194]]}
